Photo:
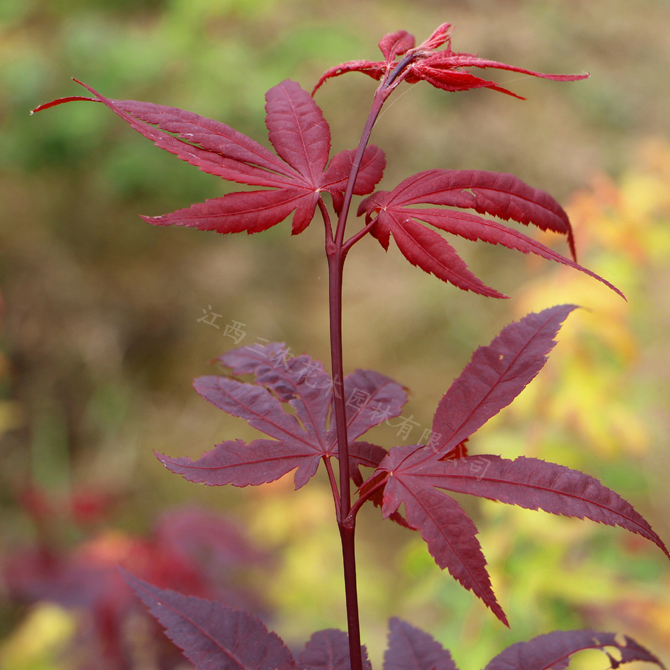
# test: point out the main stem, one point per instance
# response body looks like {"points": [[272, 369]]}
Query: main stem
{"points": [[346, 522]]}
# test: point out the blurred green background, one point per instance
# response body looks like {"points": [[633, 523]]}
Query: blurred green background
{"points": [[100, 320]]}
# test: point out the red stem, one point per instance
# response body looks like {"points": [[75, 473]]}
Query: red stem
{"points": [[333, 485], [364, 498], [336, 255]]}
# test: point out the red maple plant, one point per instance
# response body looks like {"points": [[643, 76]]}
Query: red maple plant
{"points": [[329, 413]]}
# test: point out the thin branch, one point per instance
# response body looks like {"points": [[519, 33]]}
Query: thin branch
{"points": [[333, 486]]}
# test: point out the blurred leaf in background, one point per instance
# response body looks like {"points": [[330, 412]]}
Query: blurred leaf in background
{"points": [[101, 333]]}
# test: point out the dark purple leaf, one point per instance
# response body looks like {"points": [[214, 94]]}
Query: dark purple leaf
{"points": [[329, 650], [412, 472], [553, 650], [299, 381], [254, 404], [301, 439], [495, 376], [528, 482], [259, 462], [213, 636], [448, 531], [409, 475], [364, 454], [371, 398], [412, 649]]}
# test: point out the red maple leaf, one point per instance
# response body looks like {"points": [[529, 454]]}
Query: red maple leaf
{"points": [[301, 437], [293, 180], [395, 213], [416, 475]]}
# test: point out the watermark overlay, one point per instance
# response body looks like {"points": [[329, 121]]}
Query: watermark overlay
{"points": [[211, 315], [312, 374], [479, 466]]}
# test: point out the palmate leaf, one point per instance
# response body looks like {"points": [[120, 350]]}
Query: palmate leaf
{"points": [[553, 650], [296, 177], [527, 482], [300, 439], [211, 635], [370, 398], [447, 530], [412, 475], [215, 637], [498, 194], [298, 381], [412, 649], [414, 472]]}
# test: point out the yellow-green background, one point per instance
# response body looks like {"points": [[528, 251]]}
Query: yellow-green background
{"points": [[100, 337]]}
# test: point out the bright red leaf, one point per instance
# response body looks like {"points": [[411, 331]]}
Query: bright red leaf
{"points": [[396, 44], [298, 132], [213, 636], [497, 194], [553, 650], [442, 69]]}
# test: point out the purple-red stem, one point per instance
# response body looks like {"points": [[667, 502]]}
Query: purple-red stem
{"points": [[336, 253], [333, 485]]}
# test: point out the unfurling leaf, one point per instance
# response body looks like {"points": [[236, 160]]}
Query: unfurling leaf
{"points": [[396, 44], [442, 69], [213, 636]]}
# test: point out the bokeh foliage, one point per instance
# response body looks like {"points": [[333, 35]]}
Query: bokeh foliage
{"points": [[100, 335]]}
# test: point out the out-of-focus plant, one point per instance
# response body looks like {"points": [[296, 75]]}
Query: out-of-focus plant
{"points": [[99, 624]]}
